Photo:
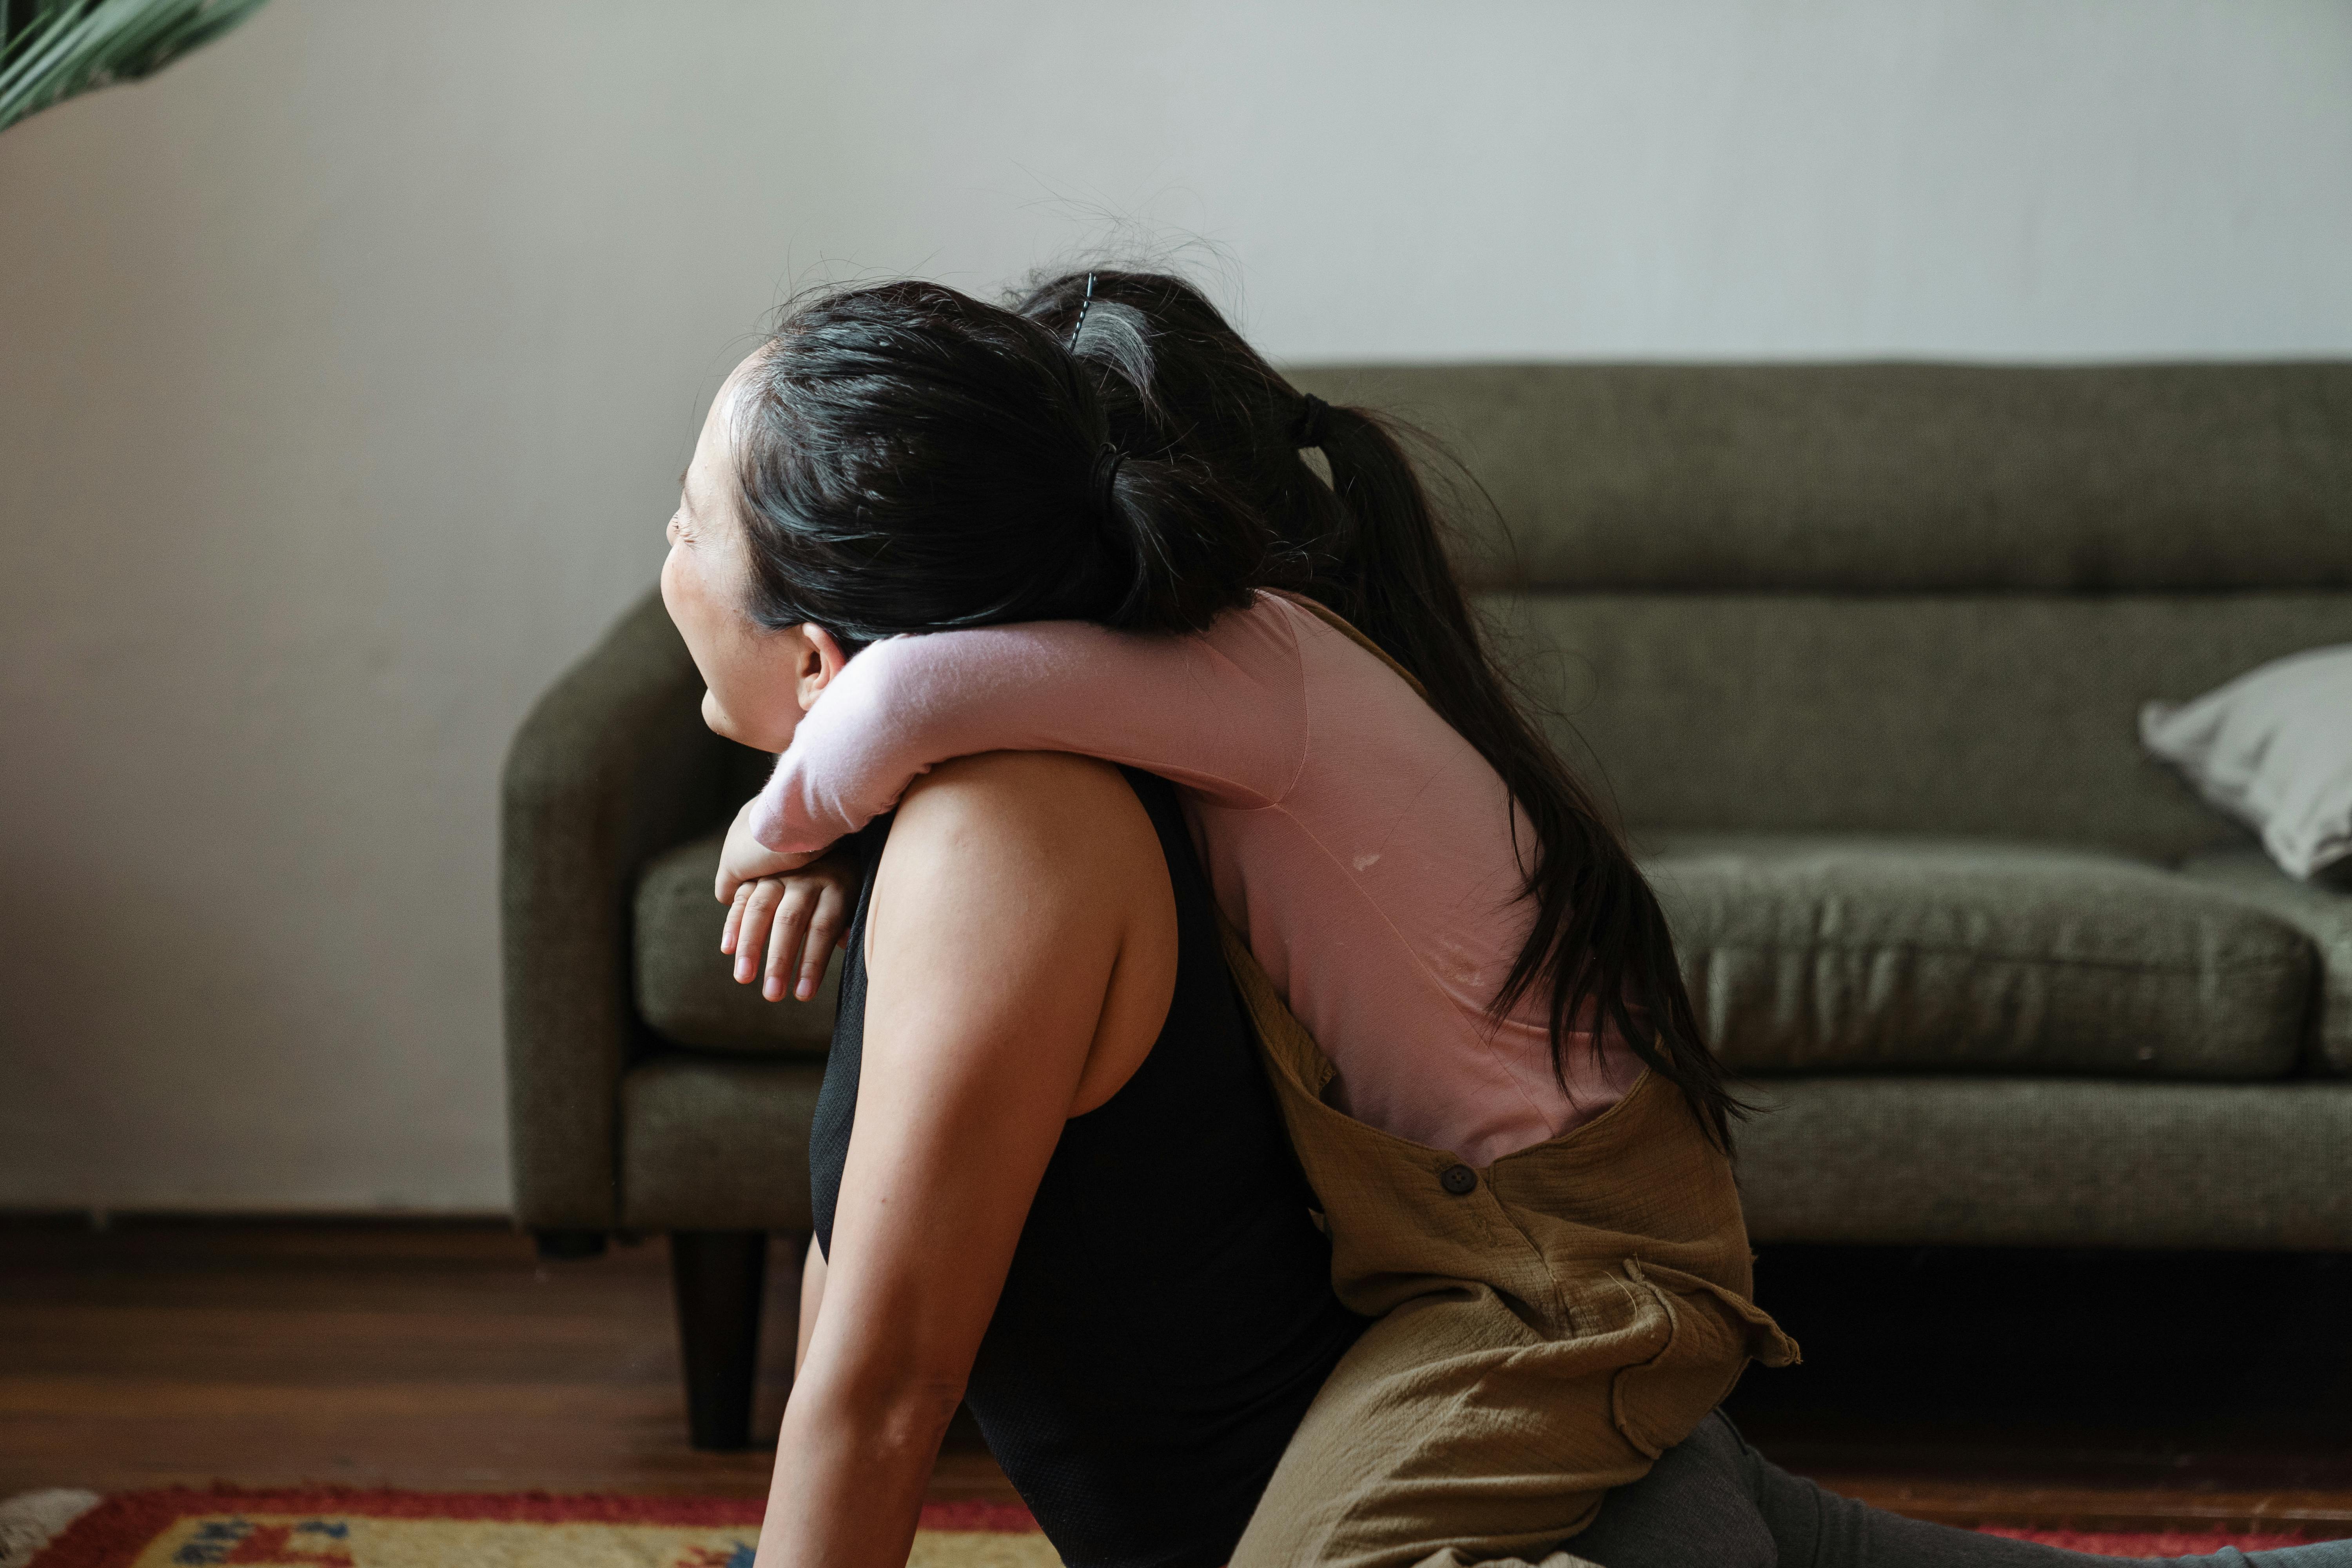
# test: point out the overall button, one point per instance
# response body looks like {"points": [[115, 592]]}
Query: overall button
{"points": [[1457, 1179]]}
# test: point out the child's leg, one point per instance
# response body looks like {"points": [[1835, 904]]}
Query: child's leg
{"points": [[1713, 1502], [1696, 1509], [1451, 1426], [1815, 1529], [1543, 1328]]}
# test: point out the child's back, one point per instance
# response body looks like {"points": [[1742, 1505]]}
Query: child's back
{"points": [[1363, 847]]}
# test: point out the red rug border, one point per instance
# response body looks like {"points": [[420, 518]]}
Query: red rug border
{"points": [[2130, 1544], [113, 1533], [122, 1524]]}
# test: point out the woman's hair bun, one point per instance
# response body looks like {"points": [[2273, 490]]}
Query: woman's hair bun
{"points": [[1190, 542], [906, 454]]}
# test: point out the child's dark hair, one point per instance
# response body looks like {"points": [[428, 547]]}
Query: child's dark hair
{"points": [[916, 460]]}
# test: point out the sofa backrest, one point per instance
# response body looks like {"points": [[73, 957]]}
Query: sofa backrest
{"points": [[1902, 598]]}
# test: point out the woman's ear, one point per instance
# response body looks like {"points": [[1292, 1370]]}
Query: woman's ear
{"points": [[814, 663]]}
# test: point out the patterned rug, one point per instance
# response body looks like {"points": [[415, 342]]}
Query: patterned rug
{"points": [[337, 1528]]}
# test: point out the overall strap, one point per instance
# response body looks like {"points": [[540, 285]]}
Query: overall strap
{"points": [[1338, 622]]}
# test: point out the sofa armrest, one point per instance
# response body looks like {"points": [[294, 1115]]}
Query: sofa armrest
{"points": [[612, 765]]}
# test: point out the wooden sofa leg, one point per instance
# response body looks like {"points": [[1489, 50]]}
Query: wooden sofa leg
{"points": [[718, 1276]]}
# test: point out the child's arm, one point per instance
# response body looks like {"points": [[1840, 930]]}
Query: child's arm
{"points": [[1221, 713], [745, 859]]}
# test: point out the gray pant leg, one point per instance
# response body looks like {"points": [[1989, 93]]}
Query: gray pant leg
{"points": [[1714, 1502], [1815, 1529], [1696, 1509], [1711, 1501]]}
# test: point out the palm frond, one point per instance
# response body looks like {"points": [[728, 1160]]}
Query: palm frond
{"points": [[52, 49]]}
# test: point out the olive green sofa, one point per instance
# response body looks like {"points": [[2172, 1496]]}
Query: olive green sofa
{"points": [[1858, 652]]}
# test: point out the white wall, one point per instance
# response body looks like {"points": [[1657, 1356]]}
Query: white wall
{"points": [[345, 371]]}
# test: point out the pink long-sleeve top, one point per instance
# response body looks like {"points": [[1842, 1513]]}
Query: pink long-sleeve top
{"points": [[1361, 846]]}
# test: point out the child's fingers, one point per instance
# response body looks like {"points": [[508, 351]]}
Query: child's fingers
{"points": [[741, 864], [727, 932], [828, 929], [751, 938], [791, 931]]}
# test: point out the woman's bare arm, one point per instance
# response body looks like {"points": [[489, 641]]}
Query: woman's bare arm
{"points": [[812, 1298], [1021, 952]]}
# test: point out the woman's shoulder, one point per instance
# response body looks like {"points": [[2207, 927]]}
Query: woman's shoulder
{"points": [[1044, 871], [1053, 800]]}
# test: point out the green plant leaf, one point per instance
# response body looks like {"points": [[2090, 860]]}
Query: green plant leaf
{"points": [[52, 49]]}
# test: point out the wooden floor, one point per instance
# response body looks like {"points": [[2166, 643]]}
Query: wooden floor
{"points": [[2091, 1389], [2030, 1388]]}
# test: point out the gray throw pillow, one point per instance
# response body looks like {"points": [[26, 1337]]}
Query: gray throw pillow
{"points": [[2273, 748]]}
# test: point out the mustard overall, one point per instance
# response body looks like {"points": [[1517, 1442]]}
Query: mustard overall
{"points": [[1546, 1326]]}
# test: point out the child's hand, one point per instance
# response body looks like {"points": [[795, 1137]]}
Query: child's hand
{"points": [[746, 860], [797, 919]]}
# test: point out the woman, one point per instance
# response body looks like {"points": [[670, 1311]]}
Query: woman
{"points": [[904, 459], [1041, 1207]]}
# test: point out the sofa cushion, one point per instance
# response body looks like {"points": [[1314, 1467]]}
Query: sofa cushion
{"points": [[1882, 478], [2038, 1162], [1957, 715], [2321, 910], [1807, 953], [686, 989]]}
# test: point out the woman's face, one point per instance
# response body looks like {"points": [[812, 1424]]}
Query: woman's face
{"points": [[757, 683]]}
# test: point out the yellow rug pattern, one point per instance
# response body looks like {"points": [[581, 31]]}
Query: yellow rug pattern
{"points": [[231, 1528]]}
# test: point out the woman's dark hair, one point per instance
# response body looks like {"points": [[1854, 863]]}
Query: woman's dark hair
{"points": [[914, 460]]}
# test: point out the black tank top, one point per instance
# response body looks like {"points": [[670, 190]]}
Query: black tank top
{"points": [[1168, 1314]]}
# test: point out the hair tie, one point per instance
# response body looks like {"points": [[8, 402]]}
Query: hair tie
{"points": [[1309, 432], [1080, 324], [1107, 458]]}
